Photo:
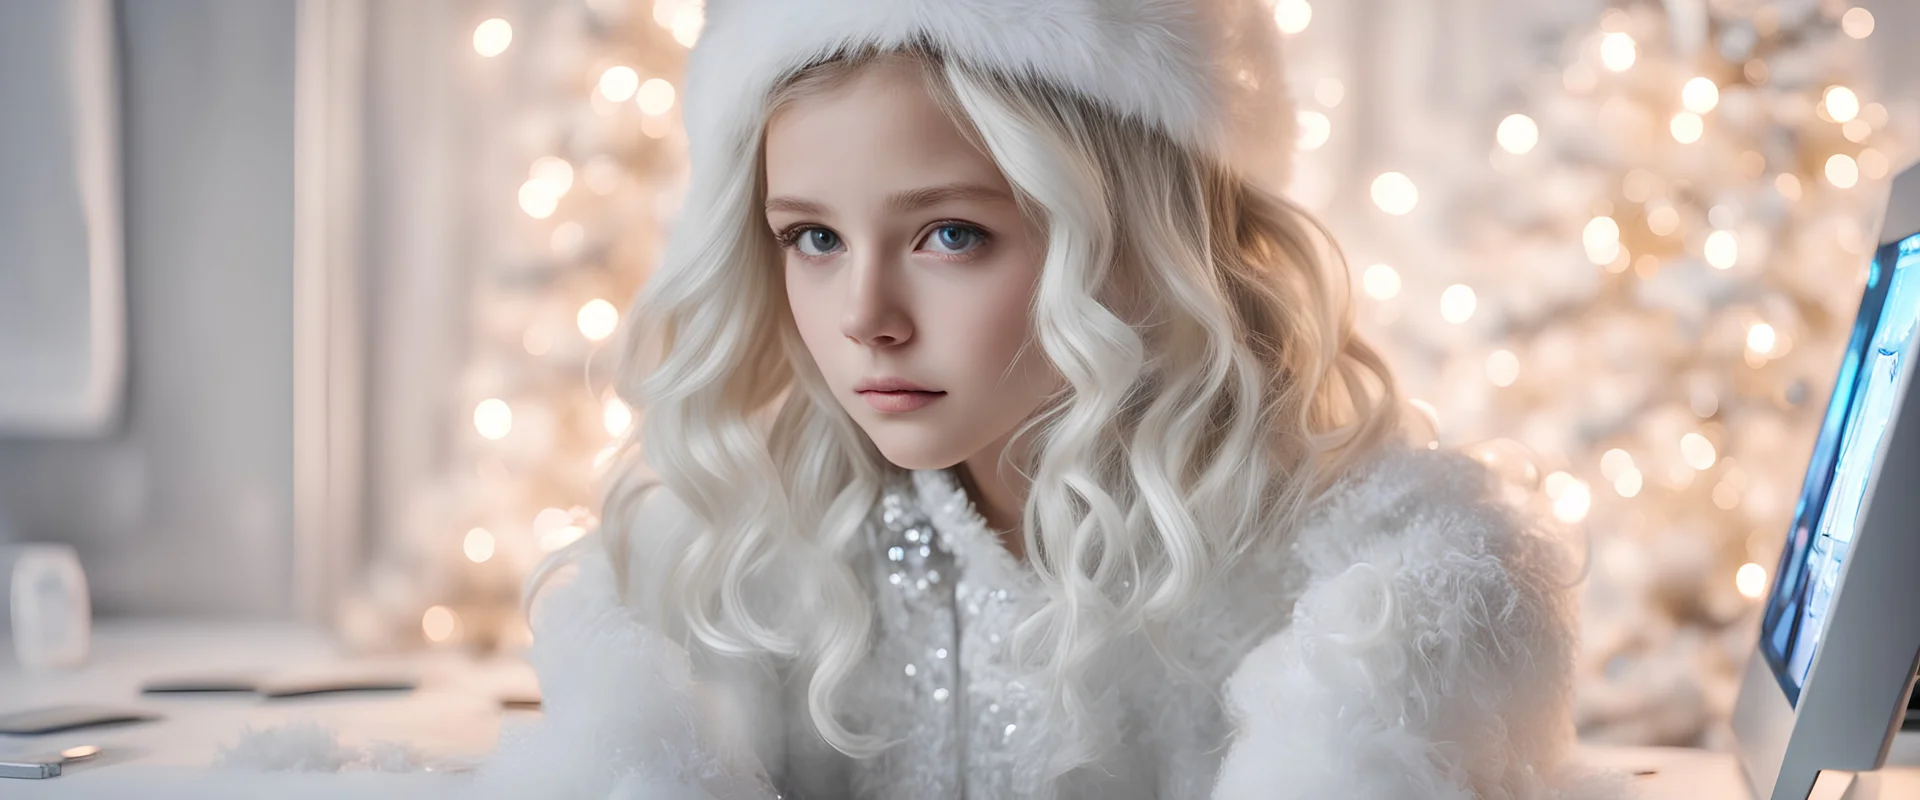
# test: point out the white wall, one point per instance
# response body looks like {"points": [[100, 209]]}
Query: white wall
{"points": [[187, 508]]}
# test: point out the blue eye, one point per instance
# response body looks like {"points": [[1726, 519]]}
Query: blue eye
{"points": [[815, 241], [956, 239]]}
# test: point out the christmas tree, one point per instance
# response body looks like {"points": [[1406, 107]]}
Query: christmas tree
{"points": [[1633, 311], [581, 192]]}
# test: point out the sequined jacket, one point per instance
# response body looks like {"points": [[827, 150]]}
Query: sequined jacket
{"points": [[1412, 639]]}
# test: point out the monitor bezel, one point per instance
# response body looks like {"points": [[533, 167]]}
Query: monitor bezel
{"points": [[1855, 692]]}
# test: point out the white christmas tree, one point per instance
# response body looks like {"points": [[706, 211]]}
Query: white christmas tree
{"points": [[1635, 308]]}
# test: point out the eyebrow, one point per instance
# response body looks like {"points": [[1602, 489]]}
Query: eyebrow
{"points": [[900, 202]]}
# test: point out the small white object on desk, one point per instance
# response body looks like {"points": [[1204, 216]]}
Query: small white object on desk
{"points": [[48, 606]]}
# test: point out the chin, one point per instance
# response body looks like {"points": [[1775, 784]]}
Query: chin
{"points": [[912, 452]]}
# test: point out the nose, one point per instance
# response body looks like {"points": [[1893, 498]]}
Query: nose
{"points": [[873, 315]]}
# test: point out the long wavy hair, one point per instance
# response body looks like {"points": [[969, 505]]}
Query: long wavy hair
{"points": [[1213, 386]]}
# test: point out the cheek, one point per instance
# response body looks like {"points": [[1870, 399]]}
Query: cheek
{"points": [[814, 313]]}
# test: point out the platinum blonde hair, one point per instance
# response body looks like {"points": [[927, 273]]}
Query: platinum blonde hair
{"points": [[1202, 326]]}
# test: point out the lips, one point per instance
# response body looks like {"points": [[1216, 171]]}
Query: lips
{"points": [[895, 395]]}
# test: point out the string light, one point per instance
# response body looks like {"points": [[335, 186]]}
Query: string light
{"points": [[1842, 171], [538, 199], [1457, 303], [1761, 339], [597, 319], [1395, 193], [561, 537], [617, 417], [1503, 368], [1380, 282], [1856, 130], [1857, 22], [1329, 91], [1873, 164], [1722, 249], [439, 623], [1601, 237], [1751, 579], [1292, 16], [1788, 185], [1614, 462], [493, 418], [537, 341], [556, 173], [1700, 95], [478, 545], [655, 97], [1315, 130], [1687, 127], [1618, 51], [1571, 497], [619, 83], [1517, 134], [1841, 103], [1697, 451], [1663, 221], [1629, 483], [491, 38]]}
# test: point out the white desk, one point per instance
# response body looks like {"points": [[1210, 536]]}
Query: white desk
{"points": [[455, 715]]}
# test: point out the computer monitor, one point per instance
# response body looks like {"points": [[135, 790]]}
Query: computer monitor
{"points": [[1828, 683]]}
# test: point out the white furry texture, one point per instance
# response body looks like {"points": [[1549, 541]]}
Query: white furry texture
{"points": [[1430, 655], [1208, 72]]}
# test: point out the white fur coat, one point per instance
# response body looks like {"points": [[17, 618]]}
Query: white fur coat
{"points": [[1426, 652]]}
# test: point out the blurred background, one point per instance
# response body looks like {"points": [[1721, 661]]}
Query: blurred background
{"points": [[304, 304]]}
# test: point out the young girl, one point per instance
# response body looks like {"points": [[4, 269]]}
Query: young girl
{"points": [[1012, 441]]}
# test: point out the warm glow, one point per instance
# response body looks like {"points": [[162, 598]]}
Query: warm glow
{"points": [[567, 238], [439, 623], [1618, 51], [1843, 171], [561, 537], [1315, 130], [492, 37], [655, 97], [478, 545], [1573, 503], [1614, 462], [688, 20], [1842, 104], [556, 173], [1329, 91], [617, 417], [1517, 134], [1663, 220], [1395, 193], [1503, 367], [597, 319], [1874, 164], [1457, 303], [493, 418], [537, 341], [1381, 282], [1697, 451], [1722, 249], [1856, 130], [1788, 185], [1751, 580], [1687, 127], [1761, 339], [619, 83], [538, 199], [1700, 95], [1292, 15], [1858, 23], [1602, 240], [1629, 483]]}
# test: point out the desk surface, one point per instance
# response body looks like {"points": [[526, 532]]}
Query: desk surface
{"points": [[455, 714]]}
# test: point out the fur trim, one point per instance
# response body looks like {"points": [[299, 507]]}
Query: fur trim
{"points": [[1430, 655], [1208, 72]]}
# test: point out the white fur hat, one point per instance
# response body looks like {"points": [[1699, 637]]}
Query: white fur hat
{"points": [[1207, 72]]}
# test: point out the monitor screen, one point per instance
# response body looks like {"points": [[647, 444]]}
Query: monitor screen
{"points": [[1864, 400]]}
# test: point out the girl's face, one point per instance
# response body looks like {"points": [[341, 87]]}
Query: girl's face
{"points": [[909, 268]]}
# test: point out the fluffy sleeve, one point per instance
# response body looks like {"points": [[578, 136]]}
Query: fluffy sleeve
{"points": [[627, 714], [1429, 656]]}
